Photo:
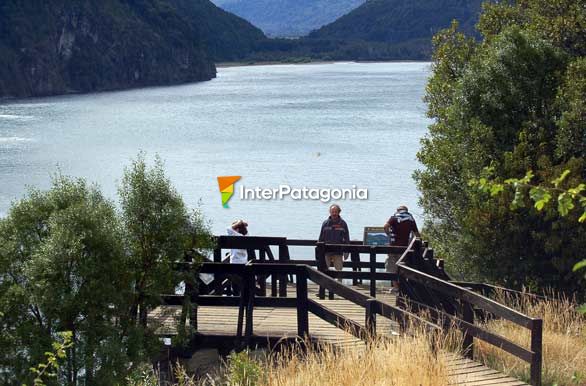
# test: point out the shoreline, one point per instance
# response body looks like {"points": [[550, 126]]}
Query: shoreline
{"points": [[313, 62]]}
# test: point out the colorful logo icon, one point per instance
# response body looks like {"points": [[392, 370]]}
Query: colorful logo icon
{"points": [[226, 184]]}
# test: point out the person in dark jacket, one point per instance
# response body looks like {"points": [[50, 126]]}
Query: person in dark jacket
{"points": [[334, 231], [400, 228]]}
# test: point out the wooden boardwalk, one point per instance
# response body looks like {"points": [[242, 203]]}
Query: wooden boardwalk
{"points": [[282, 322]]}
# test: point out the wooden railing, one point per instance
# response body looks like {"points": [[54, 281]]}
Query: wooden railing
{"points": [[421, 277], [464, 319], [259, 250], [302, 274]]}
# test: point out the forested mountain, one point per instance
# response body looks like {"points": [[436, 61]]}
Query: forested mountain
{"points": [[403, 22], [60, 46], [395, 21], [226, 36], [378, 30], [287, 18]]}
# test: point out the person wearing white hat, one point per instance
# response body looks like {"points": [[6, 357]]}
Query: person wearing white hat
{"points": [[238, 228], [237, 256]]}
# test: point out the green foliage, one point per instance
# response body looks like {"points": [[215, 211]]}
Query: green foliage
{"points": [[51, 366], [158, 231], [70, 262], [510, 103], [142, 375], [62, 267], [243, 370], [541, 195]]}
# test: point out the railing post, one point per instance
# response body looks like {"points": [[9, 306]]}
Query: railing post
{"points": [[283, 257], [401, 302], [370, 322], [320, 257], [250, 286], [372, 272], [430, 254], [302, 304], [217, 254], [536, 347], [355, 259], [417, 257], [242, 304], [193, 317], [274, 284], [274, 291], [468, 343], [190, 294], [262, 279]]}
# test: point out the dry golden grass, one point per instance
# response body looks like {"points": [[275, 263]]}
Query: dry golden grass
{"points": [[400, 361], [564, 341]]}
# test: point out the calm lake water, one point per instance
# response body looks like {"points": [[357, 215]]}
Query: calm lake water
{"points": [[316, 126]]}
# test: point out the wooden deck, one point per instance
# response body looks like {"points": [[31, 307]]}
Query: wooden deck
{"points": [[282, 322]]}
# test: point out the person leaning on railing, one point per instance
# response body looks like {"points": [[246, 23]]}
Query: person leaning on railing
{"points": [[237, 256], [400, 228], [334, 230]]}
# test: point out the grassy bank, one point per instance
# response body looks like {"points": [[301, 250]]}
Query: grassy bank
{"points": [[564, 341]]}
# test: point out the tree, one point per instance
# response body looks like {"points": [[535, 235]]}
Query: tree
{"points": [[158, 231], [69, 261], [512, 102], [63, 268]]}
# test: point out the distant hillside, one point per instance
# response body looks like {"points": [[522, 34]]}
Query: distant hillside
{"points": [[226, 36], [377, 30], [288, 18], [401, 21], [60, 46]]}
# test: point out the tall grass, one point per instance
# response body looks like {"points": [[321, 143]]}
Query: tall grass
{"points": [[564, 340], [402, 360]]}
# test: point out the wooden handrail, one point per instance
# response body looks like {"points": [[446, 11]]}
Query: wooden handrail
{"points": [[337, 288], [485, 287], [382, 308], [414, 255], [378, 249], [414, 260], [458, 292]]}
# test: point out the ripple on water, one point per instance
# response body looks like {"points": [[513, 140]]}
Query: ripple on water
{"points": [[12, 140]]}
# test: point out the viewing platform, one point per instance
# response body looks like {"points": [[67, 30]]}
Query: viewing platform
{"points": [[282, 300]]}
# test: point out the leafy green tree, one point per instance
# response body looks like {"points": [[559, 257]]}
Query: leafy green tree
{"points": [[158, 231], [512, 102], [70, 262], [63, 268], [51, 366]]}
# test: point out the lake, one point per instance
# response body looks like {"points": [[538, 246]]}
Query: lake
{"points": [[334, 125]]}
